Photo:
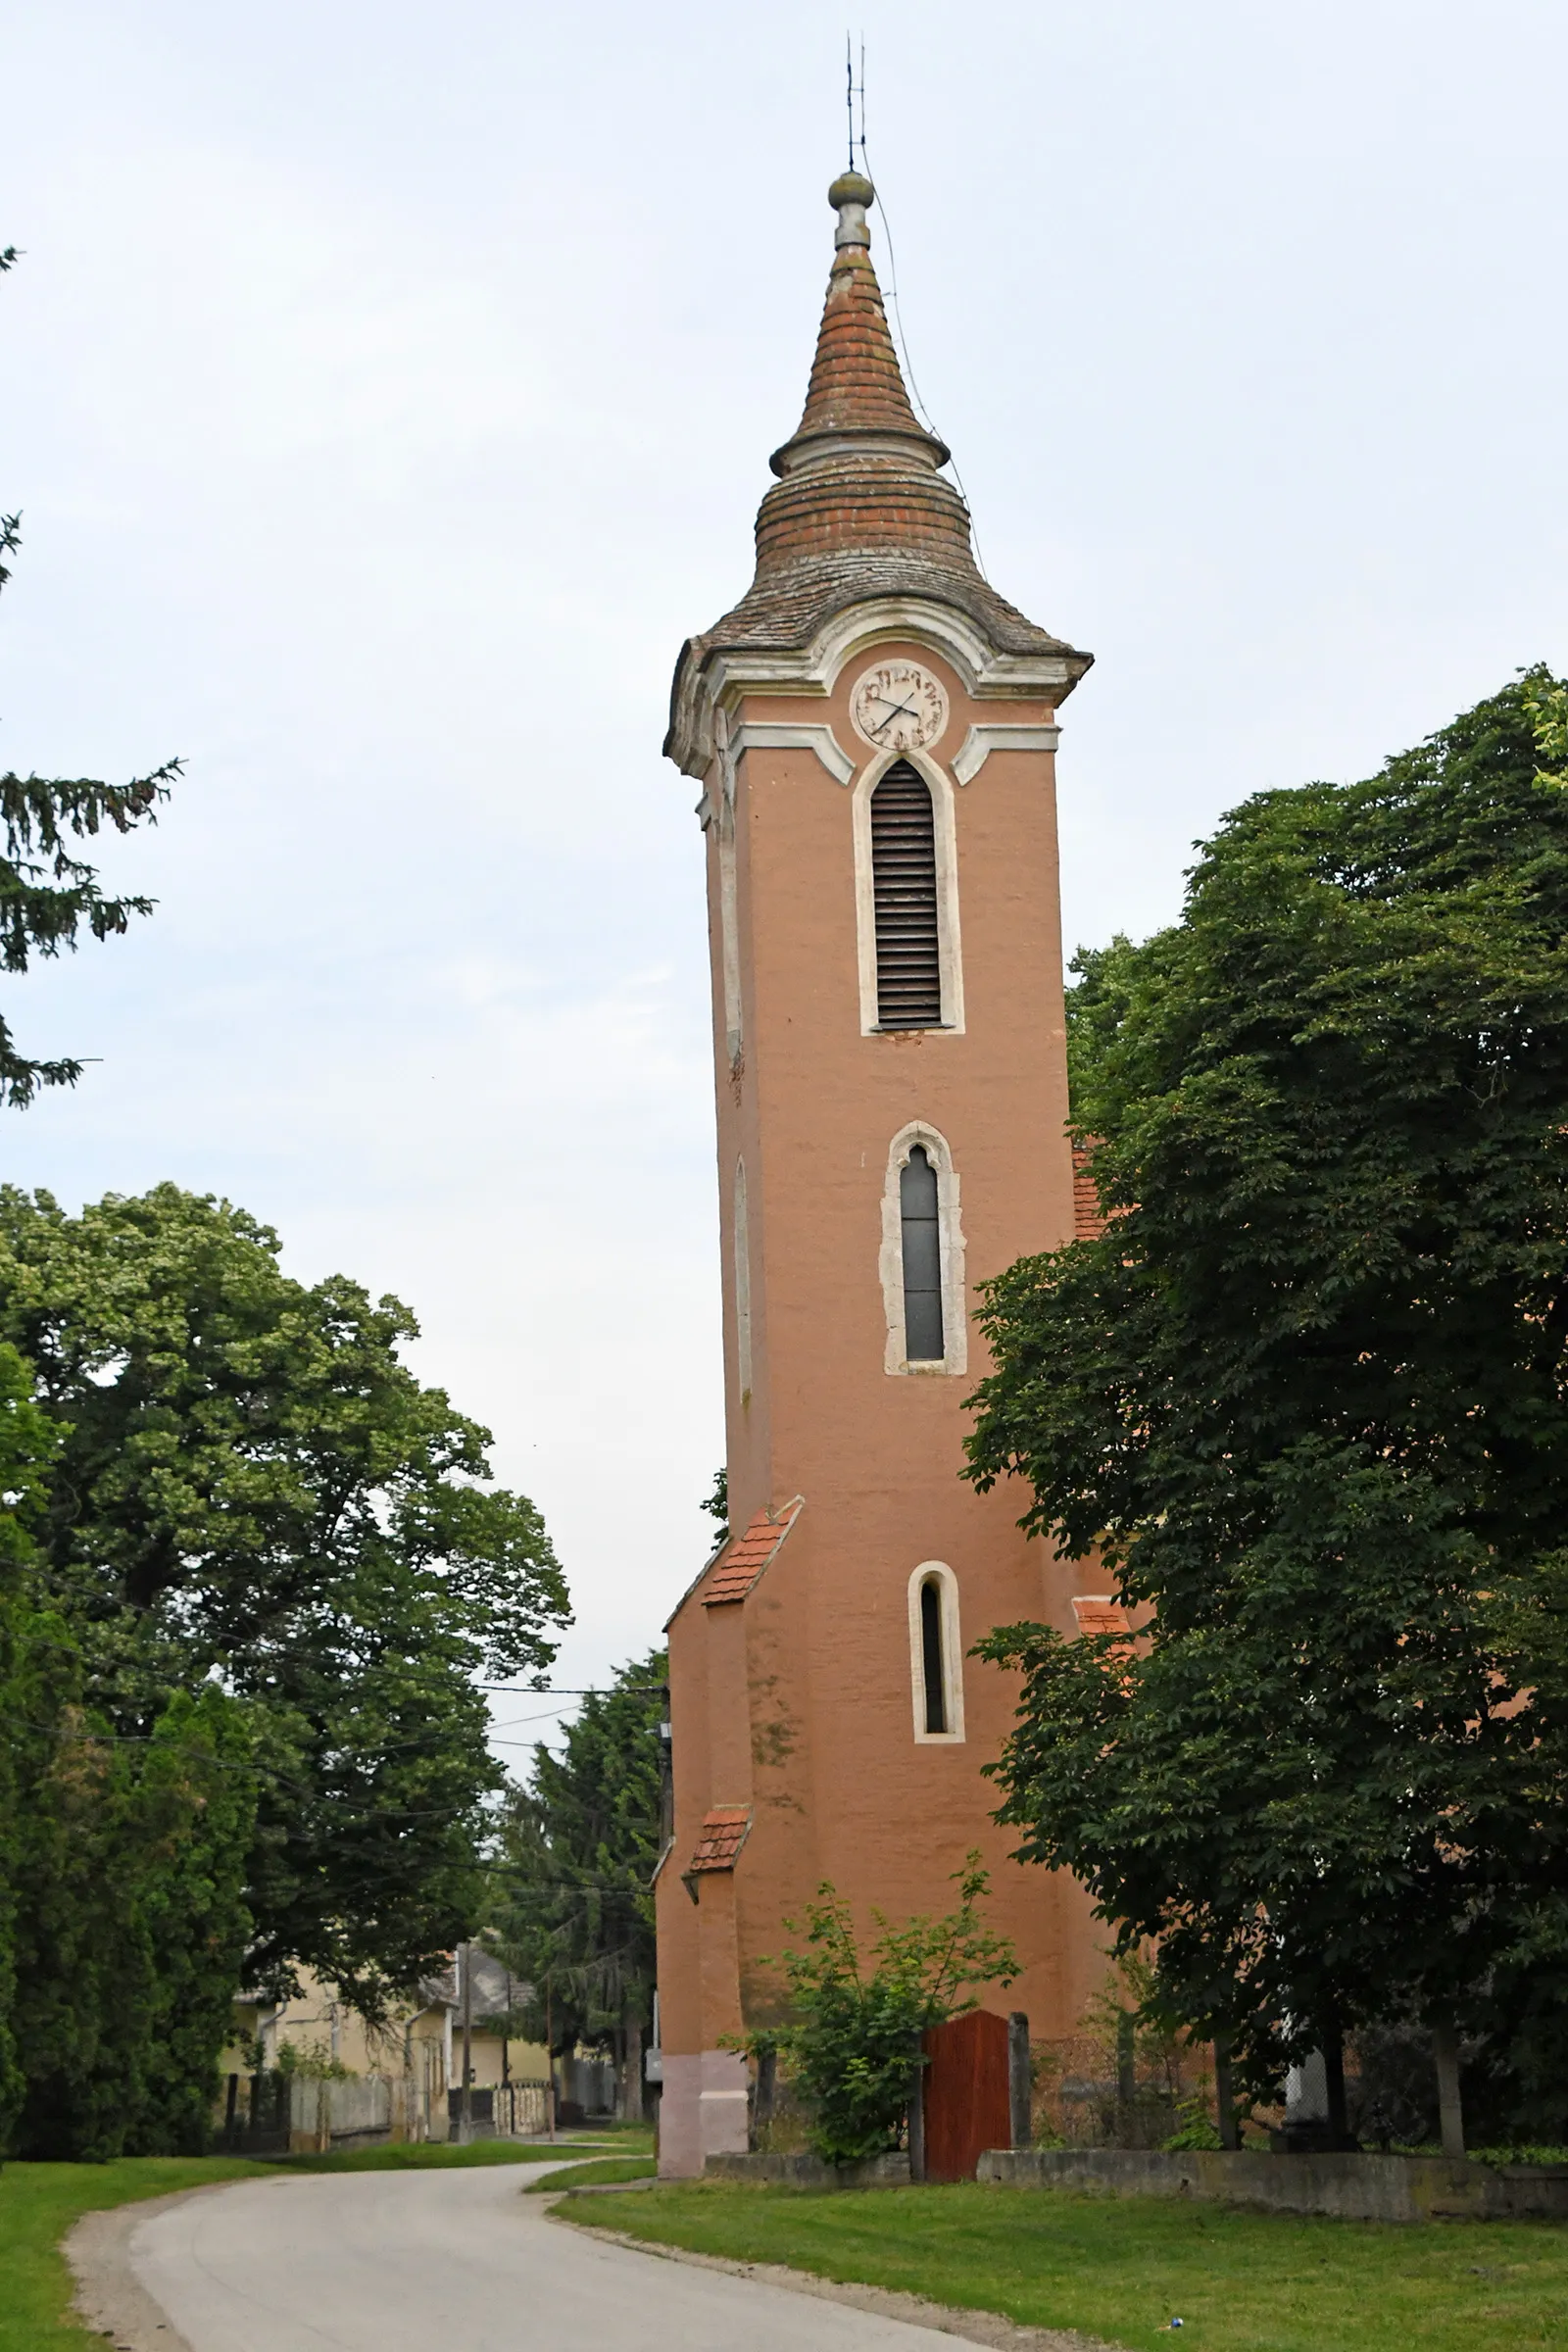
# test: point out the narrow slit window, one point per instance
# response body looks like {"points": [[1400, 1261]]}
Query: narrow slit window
{"points": [[903, 877], [922, 1259], [936, 1654], [933, 1669]]}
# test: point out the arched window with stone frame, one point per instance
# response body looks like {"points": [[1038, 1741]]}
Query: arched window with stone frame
{"points": [[921, 1263], [936, 1654]]}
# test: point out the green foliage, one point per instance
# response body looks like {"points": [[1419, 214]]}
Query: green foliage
{"points": [[251, 1485], [1306, 1398], [47, 896], [252, 1575], [132, 1923], [1198, 2129], [717, 1504], [312, 2062], [852, 2045], [573, 1913], [27, 1441], [605, 2172]]}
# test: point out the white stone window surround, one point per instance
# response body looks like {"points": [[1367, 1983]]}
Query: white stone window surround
{"points": [[728, 913], [951, 1243], [743, 1288], [949, 944], [939, 1574]]}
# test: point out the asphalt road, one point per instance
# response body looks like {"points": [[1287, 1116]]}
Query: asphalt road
{"points": [[454, 2262]]}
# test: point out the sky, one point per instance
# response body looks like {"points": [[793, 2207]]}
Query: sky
{"points": [[387, 390]]}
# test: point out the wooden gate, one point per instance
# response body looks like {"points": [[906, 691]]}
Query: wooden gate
{"points": [[965, 2093]]}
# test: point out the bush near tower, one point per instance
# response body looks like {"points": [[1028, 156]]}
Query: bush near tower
{"points": [[1308, 1398], [852, 2040]]}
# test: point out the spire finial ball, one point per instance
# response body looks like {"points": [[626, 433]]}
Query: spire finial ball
{"points": [[851, 187]]}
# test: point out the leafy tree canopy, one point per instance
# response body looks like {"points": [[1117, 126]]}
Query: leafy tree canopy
{"points": [[251, 1486], [1307, 1397], [47, 895]]}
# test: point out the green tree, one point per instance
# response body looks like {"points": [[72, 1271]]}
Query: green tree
{"points": [[130, 1921], [573, 1914], [854, 2036], [717, 1504], [252, 1487], [47, 896], [1307, 1397], [26, 1445]]}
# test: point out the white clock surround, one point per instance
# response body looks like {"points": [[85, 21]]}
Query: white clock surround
{"points": [[899, 705]]}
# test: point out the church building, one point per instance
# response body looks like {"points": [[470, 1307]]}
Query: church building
{"points": [[873, 729]]}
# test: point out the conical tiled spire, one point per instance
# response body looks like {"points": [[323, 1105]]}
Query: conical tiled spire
{"points": [[861, 510], [857, 385], [859, 474]]}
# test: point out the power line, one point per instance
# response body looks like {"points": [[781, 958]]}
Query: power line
{"points": [[924, 414]]}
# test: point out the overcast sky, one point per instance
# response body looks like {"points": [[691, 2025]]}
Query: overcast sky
{"points": [[388, 389]]}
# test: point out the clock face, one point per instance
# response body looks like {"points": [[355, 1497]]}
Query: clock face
{"points": [[899, 707]]}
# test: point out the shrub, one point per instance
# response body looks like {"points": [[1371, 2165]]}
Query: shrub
{"points": [[852, 2045]]}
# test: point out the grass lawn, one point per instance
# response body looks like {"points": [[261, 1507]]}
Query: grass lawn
{"points": [[608, 2168], [409, 2156], [38, 2203], [1121, 2269]]}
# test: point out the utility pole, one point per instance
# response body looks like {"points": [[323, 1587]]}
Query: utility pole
{"points": [[466, 2104], [550, 2062]]}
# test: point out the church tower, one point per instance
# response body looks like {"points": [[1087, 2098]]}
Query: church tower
{"points": [[873, 728]]}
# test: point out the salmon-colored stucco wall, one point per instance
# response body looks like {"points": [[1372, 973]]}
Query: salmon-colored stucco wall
{"points": [[798, 1700]]}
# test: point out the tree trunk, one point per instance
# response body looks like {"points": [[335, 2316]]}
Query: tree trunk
{"points": [[466, 2102], [917, 2121], [1126, 2058], [633, 2095], [1019, 2114], [1334, 2083], [1445, 2051], [1225, 2094], [766, 2088]]}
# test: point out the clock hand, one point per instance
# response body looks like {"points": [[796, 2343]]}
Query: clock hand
{"points": [[896, 709]]}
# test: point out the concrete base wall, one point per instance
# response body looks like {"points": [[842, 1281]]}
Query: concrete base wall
{"points": [[703, 2111], [809, 2172], [1362, 2189]]}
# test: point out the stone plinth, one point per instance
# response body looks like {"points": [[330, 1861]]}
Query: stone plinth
{"points": [[1361, 2188]]}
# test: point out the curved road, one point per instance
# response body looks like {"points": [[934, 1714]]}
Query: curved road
{"points": [[454, 2262]]}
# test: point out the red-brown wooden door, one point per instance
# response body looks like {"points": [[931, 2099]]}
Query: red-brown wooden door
{"points": [[966, 2087]]}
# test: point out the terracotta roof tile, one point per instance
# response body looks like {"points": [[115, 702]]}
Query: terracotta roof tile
{"points": [[724, 1833], [857, 385], [1088, 1220], [745, 1557], [1097, 1613]]}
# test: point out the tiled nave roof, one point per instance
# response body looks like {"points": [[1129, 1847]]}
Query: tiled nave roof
{"points": [[724, 1833], [745, 1557]]}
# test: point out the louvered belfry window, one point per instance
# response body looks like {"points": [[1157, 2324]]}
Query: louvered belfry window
{"points": [[904, 871]]}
